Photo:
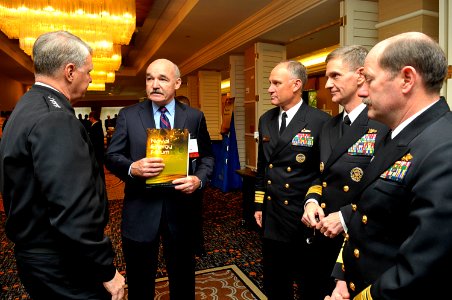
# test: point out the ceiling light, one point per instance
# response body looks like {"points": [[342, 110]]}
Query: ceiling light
{"points": [[104, 25]]}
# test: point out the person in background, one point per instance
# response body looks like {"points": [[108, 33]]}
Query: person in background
{"points": [[288, 161], [54, 196], [399, 225], [200, 250], [166, 212], [96, 135], [347, 145]]}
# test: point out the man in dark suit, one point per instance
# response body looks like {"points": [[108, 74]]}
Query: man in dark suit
{"points": [[167, 212], [288, 161], [399, 227], [55, 200], [96, 135], [346, 149]]}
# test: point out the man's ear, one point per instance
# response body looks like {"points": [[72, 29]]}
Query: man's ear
{"points": [[297, 85], [69, 70], [409, 78], [360, 75]]}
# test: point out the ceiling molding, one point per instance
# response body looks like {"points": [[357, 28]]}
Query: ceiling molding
{"points": [[274, 14]]}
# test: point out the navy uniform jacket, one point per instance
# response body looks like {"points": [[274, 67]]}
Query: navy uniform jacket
{"points": [[400, 227], [53, 194], [143, 206], [286, 166], [344, 159]]}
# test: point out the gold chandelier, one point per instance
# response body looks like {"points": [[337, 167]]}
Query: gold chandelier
{"points": [[104, 24]]}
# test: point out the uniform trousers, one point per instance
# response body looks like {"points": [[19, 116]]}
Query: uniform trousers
{"points": [[284, 264], [50, 274]]}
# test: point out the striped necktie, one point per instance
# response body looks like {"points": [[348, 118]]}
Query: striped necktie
{"points": [[164, 122]]}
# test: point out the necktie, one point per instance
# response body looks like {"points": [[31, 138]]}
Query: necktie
{"points": [[345, 124], [164, 122], [283, 123]]}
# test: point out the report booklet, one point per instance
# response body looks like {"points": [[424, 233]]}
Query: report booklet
{"points": [[172, 146]]}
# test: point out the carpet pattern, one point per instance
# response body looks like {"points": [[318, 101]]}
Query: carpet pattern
{"points": [[226, 242], [227, 282]]}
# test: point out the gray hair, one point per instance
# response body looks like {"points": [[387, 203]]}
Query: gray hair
{"points": [[354, 56], [420, 52], [297, 70], [53, 50]]}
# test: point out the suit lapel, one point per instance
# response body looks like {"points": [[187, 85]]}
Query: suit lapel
{"points": [[296, 124], [180, 116], [357, 130], [147, 114]]}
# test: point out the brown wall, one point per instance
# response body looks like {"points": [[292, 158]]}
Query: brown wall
{"points": [[11, 92]]}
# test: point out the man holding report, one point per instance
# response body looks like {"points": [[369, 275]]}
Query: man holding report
{"points": [[151, 212]]}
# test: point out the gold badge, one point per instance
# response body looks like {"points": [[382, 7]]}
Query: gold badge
{"points": [[322, 166], [371, 130], [300, 158], [356, 174]]}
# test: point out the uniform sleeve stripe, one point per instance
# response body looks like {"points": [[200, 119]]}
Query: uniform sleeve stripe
{"points": [[259, 196], [315, 189]]}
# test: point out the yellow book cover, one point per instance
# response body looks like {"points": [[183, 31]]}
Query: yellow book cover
{"points": [[172, 146]]}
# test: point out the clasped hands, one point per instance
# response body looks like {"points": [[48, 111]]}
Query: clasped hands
{"points": [[314, 216], [152, 166]]}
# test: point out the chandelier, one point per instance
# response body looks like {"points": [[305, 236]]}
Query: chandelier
{"points": [[103, 24]]}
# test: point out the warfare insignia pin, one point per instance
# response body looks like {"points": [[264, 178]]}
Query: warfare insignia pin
{"points": [[356, 174], [371, 130], [407, 157]]}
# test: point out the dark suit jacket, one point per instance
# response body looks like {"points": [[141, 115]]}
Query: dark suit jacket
{"points": [[96, 135], [400, 227], [142, 205], [286, 166]]}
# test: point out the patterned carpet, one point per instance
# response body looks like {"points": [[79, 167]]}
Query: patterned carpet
{"points": [[226, 242]]}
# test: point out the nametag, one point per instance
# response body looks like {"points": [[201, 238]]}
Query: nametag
{"points": [[193, 148]]}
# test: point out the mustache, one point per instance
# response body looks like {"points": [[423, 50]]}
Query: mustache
{"points": [[367, 101], [156, 92]]}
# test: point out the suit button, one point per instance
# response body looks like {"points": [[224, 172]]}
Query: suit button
{"points": [[289, 169], [356, 253], [347, 236], [270, 166], [346, 188], [323, 205], [343, 268], [352, 286], [354, 207], [269, 198], [269, 182], [286, 185], [324, 184], [364, 219], [286, 202]]}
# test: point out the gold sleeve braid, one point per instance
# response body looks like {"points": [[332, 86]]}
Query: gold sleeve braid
{"points": [[315, 189], [364, 294], [339, 257], [259, 196]]}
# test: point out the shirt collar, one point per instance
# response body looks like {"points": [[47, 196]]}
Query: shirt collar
{"points": [[291, 111], [405, 123], [353, 115], [171, 107]]}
